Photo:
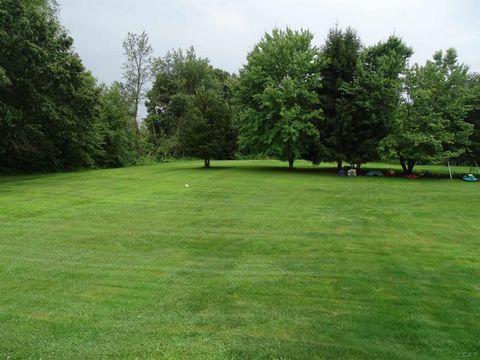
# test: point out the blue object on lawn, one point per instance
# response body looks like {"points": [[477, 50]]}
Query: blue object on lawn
{"points": [[470, 178], [375, 173]]}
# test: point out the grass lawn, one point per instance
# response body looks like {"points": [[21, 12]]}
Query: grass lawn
{"points": [[250, 262]]}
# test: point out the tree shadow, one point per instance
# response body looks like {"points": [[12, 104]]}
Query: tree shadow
{"points": [[285, 170], [214, 168]]}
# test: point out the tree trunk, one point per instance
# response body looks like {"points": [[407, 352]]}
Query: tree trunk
{"points": [[290, 161], [135, 115], [155, 139], [206, 163], [136, 132], [339, 165], [407, 166], [359, 166], [138, 91], [404, 166], [411, 164], [135, 111]]}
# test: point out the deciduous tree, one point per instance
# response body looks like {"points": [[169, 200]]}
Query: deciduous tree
{"points": [[137, 70], [116, 129], [375, 96], [430, 125], [278, 95], [47, 99], [473, 117]]}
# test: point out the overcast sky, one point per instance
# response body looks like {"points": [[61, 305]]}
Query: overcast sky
{"points": [[225, 30]]}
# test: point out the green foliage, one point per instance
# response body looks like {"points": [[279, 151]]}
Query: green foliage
{"points": [[430, 125], [174, 104], [340, 53], [277, 96], [473, 117], [206, 129], [47, 100], [4, 80], [116, 128], [177, 75], [376, 91]]}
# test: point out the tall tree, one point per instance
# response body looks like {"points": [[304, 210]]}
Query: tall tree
{"points": [[137, 70], [376, 91], [47, 99], [340, 53], [178, 76], [431, 125], [206, 129], [277, 95]]}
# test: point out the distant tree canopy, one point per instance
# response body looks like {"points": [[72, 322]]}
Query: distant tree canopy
{"points": [[278, 96]]}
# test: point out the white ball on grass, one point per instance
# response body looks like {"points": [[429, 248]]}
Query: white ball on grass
{"points": [[186, 185]]}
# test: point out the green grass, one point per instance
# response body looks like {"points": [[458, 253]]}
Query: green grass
{"points": [[250, 262]]}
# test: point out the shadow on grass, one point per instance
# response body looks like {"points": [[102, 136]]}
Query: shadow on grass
{"points": [[323, 171], [214, 168], [286, 170]]}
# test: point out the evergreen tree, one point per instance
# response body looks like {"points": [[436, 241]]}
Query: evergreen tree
{"points": [[206, 129], [178, 77], [340, 53]]}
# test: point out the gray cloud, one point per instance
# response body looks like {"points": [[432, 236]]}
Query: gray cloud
{"points": [[225, 30]]}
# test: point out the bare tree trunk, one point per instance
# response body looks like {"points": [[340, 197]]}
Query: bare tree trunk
{"points": [[339, 165], [138, 144], [206, 163], [138, 87], [135, 110], [136, 72]]}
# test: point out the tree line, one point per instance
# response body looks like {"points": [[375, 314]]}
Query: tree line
{"points": [[343, 101]]}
